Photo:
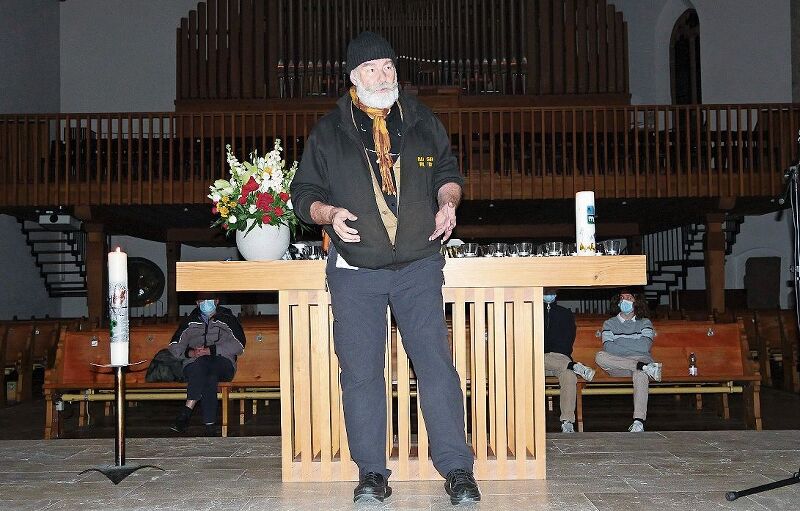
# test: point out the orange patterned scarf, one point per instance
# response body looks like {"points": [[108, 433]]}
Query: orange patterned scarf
{"points": [[380, 134]]}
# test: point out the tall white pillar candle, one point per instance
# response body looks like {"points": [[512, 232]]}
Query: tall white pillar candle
{"points": [[584, 223], [118, 306]]}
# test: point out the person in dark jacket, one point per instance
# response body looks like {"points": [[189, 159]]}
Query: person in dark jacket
{"points": [[559, 337], [208, 341], [378, 174]]}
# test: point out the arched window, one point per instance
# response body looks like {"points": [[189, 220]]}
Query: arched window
{"points": [[684, 60]]}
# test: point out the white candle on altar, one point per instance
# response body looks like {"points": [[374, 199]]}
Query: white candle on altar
{"points": [[584, 223], [118, 306]]}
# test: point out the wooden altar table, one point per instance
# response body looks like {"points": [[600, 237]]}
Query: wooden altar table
{"points": [[493, 307]]}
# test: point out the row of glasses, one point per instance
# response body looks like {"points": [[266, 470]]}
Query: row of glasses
{"points": [[526, 249], [306, 251]]}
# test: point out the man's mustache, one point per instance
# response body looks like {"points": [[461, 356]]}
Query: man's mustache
{"points": [[385, 85]]}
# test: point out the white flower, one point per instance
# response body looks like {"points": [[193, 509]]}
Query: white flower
{"points": [[252, 209], [232, 219], [215, 197]]}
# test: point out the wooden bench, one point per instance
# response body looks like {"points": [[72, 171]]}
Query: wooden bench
{"points": [[774, 338], [26, 344], [74, 379], [15, 354], [723, 360]]}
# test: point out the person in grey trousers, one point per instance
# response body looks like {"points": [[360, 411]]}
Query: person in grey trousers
{"points": [[627, 338], [386, 232]]}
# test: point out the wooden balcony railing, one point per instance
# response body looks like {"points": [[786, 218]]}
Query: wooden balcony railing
{"points": [[504, 153]]}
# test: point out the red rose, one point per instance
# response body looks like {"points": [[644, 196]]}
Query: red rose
{"points": [[278, 211], [264, 200], [250, 186], [284, 196], [214, 210], [266, 219], [225, 226], [243, 198]]}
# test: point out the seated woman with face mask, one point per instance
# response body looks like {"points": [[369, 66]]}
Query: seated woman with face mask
{"points": [[627, 338], [208, 341]]}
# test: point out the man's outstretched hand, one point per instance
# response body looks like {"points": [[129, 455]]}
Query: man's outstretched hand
{"points": [[445, 222], [344, 231]]}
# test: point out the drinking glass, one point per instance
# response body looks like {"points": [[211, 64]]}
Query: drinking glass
{"points": [[554, 248], [312, 252], [468, 250], [497, 250], [611, 247], [523, 249]]}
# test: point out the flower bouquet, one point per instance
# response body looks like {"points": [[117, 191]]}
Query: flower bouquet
{"points": [[257, 193]]}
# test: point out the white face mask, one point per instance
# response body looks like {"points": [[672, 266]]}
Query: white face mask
{"points": [[207, 307]]}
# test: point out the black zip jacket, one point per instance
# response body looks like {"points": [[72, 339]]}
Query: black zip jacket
{"points": [[559, 329], [334, 170], [223, 334]]}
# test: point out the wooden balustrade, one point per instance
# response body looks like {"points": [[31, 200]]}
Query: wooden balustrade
{"points": [[504, 152]]}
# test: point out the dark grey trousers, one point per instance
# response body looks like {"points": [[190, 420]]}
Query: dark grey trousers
{"points": [[202, 377], [414, 293]]}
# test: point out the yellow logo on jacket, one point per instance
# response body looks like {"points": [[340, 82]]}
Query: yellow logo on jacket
{"points": [[425, 161]]}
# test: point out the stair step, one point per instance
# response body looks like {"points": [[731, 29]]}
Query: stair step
{"points": [[67, 294], [670, 262], [39, 252], [66, 272], [78, 279], [79, 264], [680, 262], [59, 240], [65, 283], [26, 230]]}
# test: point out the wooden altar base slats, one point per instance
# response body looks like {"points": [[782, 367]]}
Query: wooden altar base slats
{"points": [[497, 344], [493, 342]]}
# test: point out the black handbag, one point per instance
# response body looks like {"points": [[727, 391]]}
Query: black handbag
{"points": [[165, 367]]}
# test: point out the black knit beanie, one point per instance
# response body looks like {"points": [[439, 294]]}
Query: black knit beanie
{"points": [[368, 46]]}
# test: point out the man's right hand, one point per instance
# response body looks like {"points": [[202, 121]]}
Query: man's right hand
{"points": [[345, 232], [199, 352]]}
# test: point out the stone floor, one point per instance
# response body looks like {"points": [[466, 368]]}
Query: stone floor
{"points": [[590, 471]]}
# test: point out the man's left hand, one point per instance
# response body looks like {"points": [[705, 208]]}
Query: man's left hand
{"points": [[445, 222]]}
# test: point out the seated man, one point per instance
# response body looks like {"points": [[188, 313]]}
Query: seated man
{"points": [[627, 338], [208, 341], [559, 336]]}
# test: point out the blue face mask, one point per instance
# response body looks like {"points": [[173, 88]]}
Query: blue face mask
{"points": [[207, 307], [549, 298], [626, 306]]}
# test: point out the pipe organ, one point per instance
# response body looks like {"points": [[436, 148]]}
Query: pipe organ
{"points": [[260, 49]]}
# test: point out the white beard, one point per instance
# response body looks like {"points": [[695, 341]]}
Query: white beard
{"points": [[377, 99]]}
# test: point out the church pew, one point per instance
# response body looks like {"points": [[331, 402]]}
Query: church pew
{"points": [[15, 353], [724, 364], [776, 339], [74, 378]]}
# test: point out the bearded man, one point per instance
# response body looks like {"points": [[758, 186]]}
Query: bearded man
{"points": [[376, 147]]}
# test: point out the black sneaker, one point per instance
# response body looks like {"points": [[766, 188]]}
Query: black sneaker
{"points": [[461, 487], [372, 487], [211, 430], [182, 420]]}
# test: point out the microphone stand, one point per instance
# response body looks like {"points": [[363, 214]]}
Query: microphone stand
{"points": [[790, 191]]}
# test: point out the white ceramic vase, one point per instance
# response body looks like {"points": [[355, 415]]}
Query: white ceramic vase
{"points": [[263, 243]]}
